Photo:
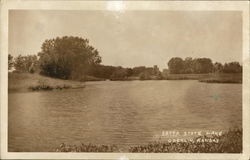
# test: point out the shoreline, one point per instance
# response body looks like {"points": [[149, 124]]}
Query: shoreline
{"points": [[18, 82], [23, 82], [205, 78]]}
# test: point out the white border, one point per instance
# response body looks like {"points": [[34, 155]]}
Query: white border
{"points": [[127, 5]]}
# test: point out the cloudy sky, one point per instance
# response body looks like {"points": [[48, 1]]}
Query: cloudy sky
{"points": [[133, 38]]}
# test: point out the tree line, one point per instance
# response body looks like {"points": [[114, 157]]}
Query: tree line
{"points": [[121, 73], [74, 58], [21, 63], [31, 64], [189, 65]]}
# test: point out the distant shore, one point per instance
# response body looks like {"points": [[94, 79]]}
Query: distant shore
{"points": [[223, 78], [209, 78], [36, 82]]}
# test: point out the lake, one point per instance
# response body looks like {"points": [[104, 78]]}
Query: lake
{"points": [[119, 112]]}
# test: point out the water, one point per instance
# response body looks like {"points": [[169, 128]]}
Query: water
{"points": [[121, 113]]}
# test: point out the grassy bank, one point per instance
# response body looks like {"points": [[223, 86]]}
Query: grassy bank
{"points": [[91, 78], [35, 82], [186, 76], [87, 148], [208, 78], [229, 142], [223, 78], [132, 78]]}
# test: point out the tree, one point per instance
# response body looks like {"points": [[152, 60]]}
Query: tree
{"points": [[10, 62], [188, 65], [232, 67], [129, 72], [68, 57], [138, 70], [156, 70], [119, 74], [218, 67], [27, 63], [176, 65], [102, 71], [144, 76], [203, 65]]}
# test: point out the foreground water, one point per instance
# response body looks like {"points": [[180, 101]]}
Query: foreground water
{"points": [[120, 113]]}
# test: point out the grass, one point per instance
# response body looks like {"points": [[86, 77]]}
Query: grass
{"points": [[36, 82], [229, 142], [87, 148], [224, 78], [208, 78], [92, 78], [186, 76]]}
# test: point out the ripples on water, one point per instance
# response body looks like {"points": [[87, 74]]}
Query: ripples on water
{"points": [[128, 112]]}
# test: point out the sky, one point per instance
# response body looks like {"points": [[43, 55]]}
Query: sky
{"points": [[133, 38]]}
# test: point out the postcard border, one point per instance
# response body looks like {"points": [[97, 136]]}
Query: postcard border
{"points": [[128, 5]]}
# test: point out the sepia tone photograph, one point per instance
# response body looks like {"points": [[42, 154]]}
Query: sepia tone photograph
{"points": [[125, 81], [138, 81]]}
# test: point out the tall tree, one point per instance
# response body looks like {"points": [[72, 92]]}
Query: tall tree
{"points": [[203, 65], [176, 65], [68, 57], [10, 62]]}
